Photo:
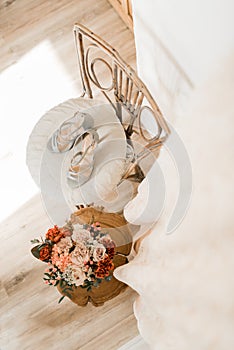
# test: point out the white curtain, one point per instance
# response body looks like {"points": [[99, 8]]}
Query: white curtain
{"points": [[185, 280]]}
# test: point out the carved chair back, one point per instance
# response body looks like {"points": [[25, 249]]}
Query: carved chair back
{"points": [[126, 93]]}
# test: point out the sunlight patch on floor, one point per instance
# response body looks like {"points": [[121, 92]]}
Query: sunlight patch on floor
{"points": [[30, 87]]}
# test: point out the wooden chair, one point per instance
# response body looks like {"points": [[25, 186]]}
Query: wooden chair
{"points": [[126, 93], [129, 98]]}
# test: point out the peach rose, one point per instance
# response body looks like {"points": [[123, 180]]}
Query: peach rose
{"points": [[80, 255], [64, 244]]}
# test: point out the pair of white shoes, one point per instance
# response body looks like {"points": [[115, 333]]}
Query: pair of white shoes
{"points": [[76, 134]]}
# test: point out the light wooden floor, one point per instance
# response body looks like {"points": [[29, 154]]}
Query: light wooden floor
{"points": [[30, 315]]}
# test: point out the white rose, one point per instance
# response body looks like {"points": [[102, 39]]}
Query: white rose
{"points": [[81, 235], [99, 252], [78, 276]]}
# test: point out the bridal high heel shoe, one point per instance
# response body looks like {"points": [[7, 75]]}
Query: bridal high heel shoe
{"points": [[81, 165], [64, 138]]}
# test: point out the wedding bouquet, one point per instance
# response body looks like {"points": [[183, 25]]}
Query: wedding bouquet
{"points": [[76, 255]]}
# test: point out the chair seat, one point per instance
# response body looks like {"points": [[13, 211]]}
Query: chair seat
{"points": [[49, 169]]}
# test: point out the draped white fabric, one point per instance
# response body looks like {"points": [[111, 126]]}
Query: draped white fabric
{"points": [[185, 280]]}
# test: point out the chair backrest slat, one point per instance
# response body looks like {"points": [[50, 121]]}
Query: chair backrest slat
{"points": [[126, 92]]}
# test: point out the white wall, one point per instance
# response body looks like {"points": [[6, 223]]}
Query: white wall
{"points": [[179, 44]]}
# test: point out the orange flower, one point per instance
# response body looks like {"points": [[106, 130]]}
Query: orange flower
{"points": [[110, 252], [55, 234], [104, 268], [45, 253]]}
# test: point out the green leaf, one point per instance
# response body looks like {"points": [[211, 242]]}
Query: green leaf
{"points": [[48, 275], [40, 246], [61, 299], [108, 278], [66, 290], [48, 241], [33, 241], [62, 283], [69, 288], [35, 251]]}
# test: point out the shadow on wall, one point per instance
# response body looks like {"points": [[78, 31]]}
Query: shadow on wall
{"points": [[157, 66]]}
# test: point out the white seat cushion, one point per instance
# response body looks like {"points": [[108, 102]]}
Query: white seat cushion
{"points": [[110, 155]]}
